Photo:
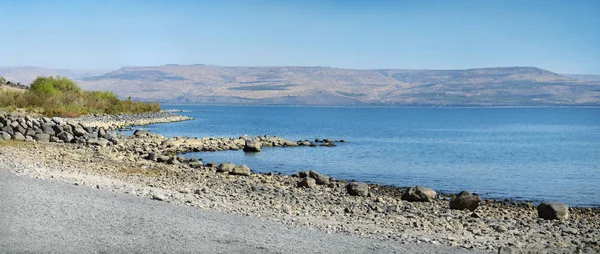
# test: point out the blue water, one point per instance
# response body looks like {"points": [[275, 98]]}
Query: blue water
{"points": [[537, 154]]}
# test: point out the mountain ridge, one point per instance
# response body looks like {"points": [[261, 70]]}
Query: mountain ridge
{"points": [[315, 85]]}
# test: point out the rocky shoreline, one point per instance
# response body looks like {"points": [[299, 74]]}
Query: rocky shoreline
{"points": [[147, 165], [125, 120]]}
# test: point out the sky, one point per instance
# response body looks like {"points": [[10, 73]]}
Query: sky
{"points": [[561, 36]]}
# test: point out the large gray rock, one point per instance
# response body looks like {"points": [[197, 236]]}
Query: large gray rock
{"points": [[307, 182], [18, 136], [141, 133], [47, 128], [65, 137], [98, 142], [241, 170], [251, 146], [5, 136], [553, 211], [57, 120], [79, 131], [30, 132], [8, 130], [419, 193], [465, 200], [20, 129], [225, 167], [358, 189], [42, 137], [173, 160], [57, 128], [321, 179], [196, 164]]}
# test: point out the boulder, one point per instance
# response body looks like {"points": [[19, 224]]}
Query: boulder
{"points": [[8, 130], [57, 128], [321, 179], [65, 137], [20, 129], [465, 200], [42, 137], [302, 174], [57, 120], [151, 156], [18, 136], [553, 211], [358, 189], [4, 135], [328, 144], [289, 143], [241, 170], [30, 132], [79, 131], [98, 142], [307, 182], [225, 167], [419, 193], [47, 128], [173, 160], [196, 164], [162, 158], [251, 146], [141, 133]]}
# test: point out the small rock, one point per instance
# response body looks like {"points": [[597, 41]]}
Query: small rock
{"points": [[159, 197]]}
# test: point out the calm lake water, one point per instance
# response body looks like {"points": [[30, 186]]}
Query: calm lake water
{"points": [[537, 154]]}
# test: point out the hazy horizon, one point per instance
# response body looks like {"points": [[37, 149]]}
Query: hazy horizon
{"points": [[437, 35]]}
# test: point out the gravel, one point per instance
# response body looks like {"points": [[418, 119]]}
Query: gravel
{"points": [[55, 216]]}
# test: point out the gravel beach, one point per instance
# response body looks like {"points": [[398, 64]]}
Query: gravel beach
{"points": [[56, 216], [146, 167]]}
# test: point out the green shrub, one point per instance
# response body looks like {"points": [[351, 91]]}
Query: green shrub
{"points": [[59, 96]]}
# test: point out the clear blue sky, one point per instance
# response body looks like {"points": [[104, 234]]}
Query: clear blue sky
{"points": [[561, 36]]}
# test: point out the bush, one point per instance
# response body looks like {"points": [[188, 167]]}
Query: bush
{"points": [[59, 96]]}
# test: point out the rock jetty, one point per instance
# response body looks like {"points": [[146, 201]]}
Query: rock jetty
{"points": [[125, 120], [55, 129]]}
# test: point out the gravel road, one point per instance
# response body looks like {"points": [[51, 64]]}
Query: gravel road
{"points": [[54, 216]]}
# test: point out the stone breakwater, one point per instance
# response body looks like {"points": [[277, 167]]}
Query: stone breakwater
{"points": [[125, 120], [158, 148], [55, 129], [308, 198]]}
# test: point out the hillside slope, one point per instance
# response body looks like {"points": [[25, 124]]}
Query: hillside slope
{"points": [[509, 86]]}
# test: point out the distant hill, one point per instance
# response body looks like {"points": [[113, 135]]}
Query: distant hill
{"points": [[584, 77], [281, 85], [26, 74], [508, 86]]}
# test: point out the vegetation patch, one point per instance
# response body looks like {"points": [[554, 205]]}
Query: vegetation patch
{"points": [[59, 96]]}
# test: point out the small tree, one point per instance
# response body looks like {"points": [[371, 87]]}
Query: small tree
{"points": [[53, 85], [2, 81]]}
